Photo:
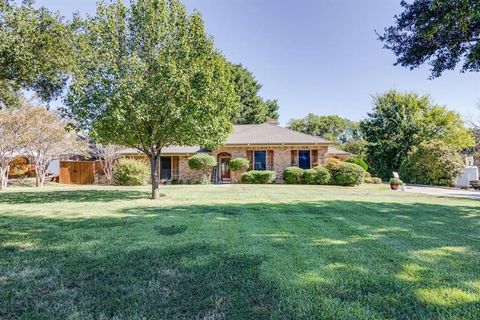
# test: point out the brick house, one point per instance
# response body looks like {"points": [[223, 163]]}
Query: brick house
{"points": [[266, 146]]}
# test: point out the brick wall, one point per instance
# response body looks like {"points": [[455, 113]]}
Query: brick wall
{"points": [[281, 155], [185, 174]]}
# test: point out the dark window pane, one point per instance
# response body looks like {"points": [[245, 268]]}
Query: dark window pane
{"points": [[166, 168], [304, 159], [260, 158]]}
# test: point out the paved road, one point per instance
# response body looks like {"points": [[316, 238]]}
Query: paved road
{"points": [[449, 192]]}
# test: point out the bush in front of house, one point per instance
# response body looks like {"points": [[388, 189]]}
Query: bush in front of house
{"points": [[259, 177], [432, 163], [293, 175], [346, 174], [205, 163], [358, 161], [330, 163], [309, 176], [130, 172], [238, 166], [322, 175]]}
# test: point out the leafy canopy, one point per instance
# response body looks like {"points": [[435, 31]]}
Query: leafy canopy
{"points": [[443, 33], [35, 51], [331, 127], [400, 121], [150, 77], [254, 109]]}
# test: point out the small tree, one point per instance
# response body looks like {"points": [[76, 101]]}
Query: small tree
{"points": [[432, 163], [47, 139], [108, 155], [203, 162], [12, 139], [238, 167]]}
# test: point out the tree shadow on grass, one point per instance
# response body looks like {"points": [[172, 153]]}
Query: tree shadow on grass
{"points": [[179, 282], [71, 196], [325, 259]]}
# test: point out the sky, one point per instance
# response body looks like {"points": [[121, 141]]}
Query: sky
{"points": [[317, 56]]}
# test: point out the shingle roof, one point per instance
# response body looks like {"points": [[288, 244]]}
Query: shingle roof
{"points": [[266, 134], [333, 150], [250, 134]]}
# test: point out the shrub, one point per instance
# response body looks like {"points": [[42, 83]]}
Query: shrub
{"points": [[309, 176], [323, 175], [203, 162], [358, 161], [259, 177], [347, 174], [330, 163], [238, 166], [372, 180], [432, 163], [293, 175], [129, 172]]}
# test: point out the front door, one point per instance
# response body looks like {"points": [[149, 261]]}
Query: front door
{"points": [[225, 169]]}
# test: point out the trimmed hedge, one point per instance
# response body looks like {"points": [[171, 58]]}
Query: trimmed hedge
{"points": [[202, 161], [309, 176], [358, 161], [259, 177], [293, 175], [239, 164], [347, 174], [129, 172], [323, 176]]}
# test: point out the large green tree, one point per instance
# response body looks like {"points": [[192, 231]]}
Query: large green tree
{"points": [[150, 77], [35, 51], [400, 121], [331, 127], [443, 33], [253, 109]]}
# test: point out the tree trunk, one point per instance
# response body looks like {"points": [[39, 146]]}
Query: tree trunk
{"points": [[4, 177], [154, 161], [40, 172]]}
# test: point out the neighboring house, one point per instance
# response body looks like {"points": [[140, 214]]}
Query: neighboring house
{"points": [[266, 146], [339, 154]]}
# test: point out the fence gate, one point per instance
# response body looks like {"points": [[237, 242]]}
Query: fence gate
{"points": [[77, 172]]}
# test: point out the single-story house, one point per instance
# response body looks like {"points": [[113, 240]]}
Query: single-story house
{"points": [[266, 146]]}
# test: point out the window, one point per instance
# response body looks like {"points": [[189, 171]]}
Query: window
{"points": [[260, 158], [304, 159], [166, 168]]}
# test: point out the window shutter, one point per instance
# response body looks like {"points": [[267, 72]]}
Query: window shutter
{"points": [[314, 158], [175, 167], [270, 159], [293, 157], [250, 158]]}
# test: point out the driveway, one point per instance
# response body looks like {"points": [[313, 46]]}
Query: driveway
{"points": [[448, 192]]}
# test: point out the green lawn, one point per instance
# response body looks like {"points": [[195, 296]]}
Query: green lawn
{"points": [[238, 252]]}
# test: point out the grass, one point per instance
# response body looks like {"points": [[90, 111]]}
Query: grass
{"points": [[238, 252]]}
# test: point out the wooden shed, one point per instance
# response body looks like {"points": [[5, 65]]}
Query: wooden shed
{"points": [[77, 172]]}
